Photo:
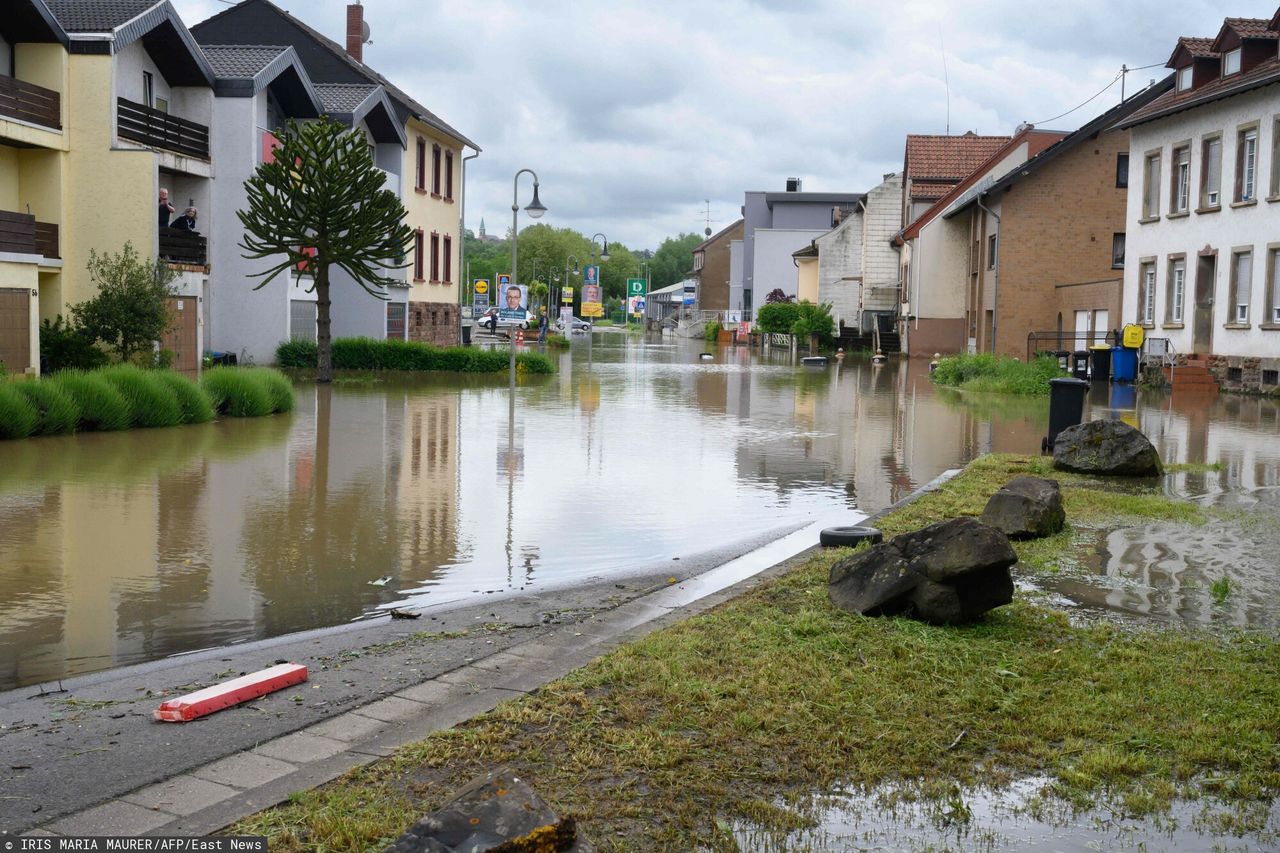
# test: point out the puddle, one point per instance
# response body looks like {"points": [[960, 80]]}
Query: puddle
{"points": [[1013, 818]]}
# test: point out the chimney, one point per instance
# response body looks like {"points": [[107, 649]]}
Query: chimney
{"points": [[355, 31], [793, 185]]}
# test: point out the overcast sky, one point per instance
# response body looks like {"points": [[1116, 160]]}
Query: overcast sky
{"points": [[633, 112]]}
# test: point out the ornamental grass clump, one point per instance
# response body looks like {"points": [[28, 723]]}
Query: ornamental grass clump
{"points": [[985, 372], [58, 412], [102, 406], [279, 387], [18, 417], [237, 392], [410, 356], [151, 402], [192, 400]]}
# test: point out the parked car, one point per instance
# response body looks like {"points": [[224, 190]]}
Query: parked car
{"points": [[576, 324]]}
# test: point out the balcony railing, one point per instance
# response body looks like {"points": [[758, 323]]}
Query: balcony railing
{"points": [[140, 123], [183, 247], [21, 234], [29, 102]]}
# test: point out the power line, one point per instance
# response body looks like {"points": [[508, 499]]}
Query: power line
{"points": [[1114, 80]]}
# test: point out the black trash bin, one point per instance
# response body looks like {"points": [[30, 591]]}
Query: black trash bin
{"points": [[1064, 360], [466, 334], [1066, 407], [1100, 363], [1080, 364]]}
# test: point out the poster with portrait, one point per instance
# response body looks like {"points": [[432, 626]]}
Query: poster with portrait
{"points": [[592, 305], [514, 302]]}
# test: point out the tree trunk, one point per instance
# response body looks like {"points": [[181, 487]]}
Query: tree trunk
{"points": [[324, 339]]}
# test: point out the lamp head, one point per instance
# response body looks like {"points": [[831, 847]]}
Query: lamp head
{"points": [[604, 254], [535, 208], [576, 271]]}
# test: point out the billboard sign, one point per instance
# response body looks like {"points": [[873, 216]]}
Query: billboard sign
{"points": [[480, 295], [590, 274], [592, 305], [515, 301], [635, 286], [566, 296]]}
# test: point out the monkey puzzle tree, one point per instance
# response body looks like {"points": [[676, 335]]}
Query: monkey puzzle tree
{"points": [[321, 203]]}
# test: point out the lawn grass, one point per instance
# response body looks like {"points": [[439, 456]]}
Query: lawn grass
{"points": [[751, 708], [988, 373]]}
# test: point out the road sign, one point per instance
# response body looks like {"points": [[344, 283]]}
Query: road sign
{"points": [[503, 280], [635, 286], [481, 285]]}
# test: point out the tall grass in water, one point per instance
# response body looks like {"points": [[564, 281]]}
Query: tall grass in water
{"points": [[58, 412], [997, 374], [246, 392], [152, 402], [374, 354], [18, 418], [101, 406], [192, 399]]}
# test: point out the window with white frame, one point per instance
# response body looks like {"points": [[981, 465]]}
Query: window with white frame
{"points": [[1231, 62], [1177, 288], [1211, 173], [1151, 186], [1180, 191], [1147, 303], [1247, 164], [1273, 288], [1184, 78], [1241, 285]]}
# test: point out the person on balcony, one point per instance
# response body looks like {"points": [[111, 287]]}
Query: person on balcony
{"points": [[187, 221], [166, 209]]}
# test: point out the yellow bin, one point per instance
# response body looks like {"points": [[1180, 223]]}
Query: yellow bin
{"points": [[1133, 336]]}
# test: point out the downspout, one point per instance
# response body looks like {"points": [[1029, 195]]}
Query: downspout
{"points": [[462, 241], [995, 296]]}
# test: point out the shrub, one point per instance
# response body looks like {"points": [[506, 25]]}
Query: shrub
{"points": [[238, 392], [296, 354], [64, 345], [192, 400], [101, 406], [814, 320], [777, 317], [557, 341], [278, 387], [997, 374], [58, 412], [151, 402], [18, 418], [711, 331], [129, 310], [374, 354]]}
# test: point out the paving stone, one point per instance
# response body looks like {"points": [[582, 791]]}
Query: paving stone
{"points": [[393, 709], [115, 818], [245, 770], [348, 727], [301, 748], [429, 692], [181, 795]]}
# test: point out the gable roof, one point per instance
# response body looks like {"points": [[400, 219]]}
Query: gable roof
{"points": [[97, 16], [935, 163], [326, 61], [242, 71], [1194, 48], [351, 103], [110, 26], [1265, 73], [1244, 28], [716, 236], [1036, 162], [1037, 141], [31, 21]]}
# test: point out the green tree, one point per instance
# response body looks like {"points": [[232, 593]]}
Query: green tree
{"points": [[130, 310], [322, 203], [673, 260]]}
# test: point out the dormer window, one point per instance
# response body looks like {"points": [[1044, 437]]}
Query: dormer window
{"points": [[1184, 78], [1231, 62]]}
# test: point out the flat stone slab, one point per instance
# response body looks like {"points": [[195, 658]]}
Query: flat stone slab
{"points": [[245, 770], [114, 818], [181, 795], [302, 748]]}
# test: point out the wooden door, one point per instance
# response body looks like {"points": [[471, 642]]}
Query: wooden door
{"points": [[181, 337], [1202, 322], [15, 329]]}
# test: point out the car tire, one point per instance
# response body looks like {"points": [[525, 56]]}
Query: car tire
{"points": [[848, 537]]}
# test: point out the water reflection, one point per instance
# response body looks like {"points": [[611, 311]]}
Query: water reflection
{"points": [[128, 547]]}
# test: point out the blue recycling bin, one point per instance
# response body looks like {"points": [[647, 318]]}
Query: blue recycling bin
{"points": [[1124, 364]]}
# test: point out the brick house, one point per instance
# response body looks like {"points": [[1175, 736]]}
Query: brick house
{"points": [[711, 268], [1047, 241], [1204, 206], [933, 164]]}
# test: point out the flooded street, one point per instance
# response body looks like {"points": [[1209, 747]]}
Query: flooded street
{"points": [[421, 492]]}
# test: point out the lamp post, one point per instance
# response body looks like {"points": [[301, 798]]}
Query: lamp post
{"points": [[569, 323], [604, 258], [535, 209]]}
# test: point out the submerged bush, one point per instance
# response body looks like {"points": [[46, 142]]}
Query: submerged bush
{"points": [[18, 417], [238, 392], [152, 402], [57, 411], [192, 400], [101, 406], [374, 354], [278, 387], [997, 374]]}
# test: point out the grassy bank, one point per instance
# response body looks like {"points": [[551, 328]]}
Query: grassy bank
{"points": [[747, 711], [997, 374], [123, 396], [371, 354]]}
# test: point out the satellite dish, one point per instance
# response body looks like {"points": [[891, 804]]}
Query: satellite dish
{"points": [[365, 33]]}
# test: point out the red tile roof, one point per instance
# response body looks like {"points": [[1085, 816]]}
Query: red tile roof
{"points": [[1252, 28], [946, 160], [1199, 48], [1264, 73]]}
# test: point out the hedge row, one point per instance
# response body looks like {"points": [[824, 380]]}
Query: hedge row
{"points": [[123, 396], [374, 354]]}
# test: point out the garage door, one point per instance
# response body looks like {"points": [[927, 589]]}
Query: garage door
{"points": [[181, 337], [15, 329]]}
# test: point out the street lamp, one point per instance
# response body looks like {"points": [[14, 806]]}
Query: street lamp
{"points": [[535, 211], [604, 253], [569, 325]]}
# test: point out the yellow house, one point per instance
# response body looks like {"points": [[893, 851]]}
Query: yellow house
{"points": [[33, 146], [806, 261]]}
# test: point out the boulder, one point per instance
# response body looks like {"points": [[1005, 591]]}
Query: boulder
{"points": [[1026, 508], [946, 573], [1106, 447]]}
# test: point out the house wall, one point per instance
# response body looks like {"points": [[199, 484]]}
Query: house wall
{"points": [[774, 267], [1231, 227], [881, 220], [736, 266], [22, 275], [840, 269], [439, 216], [755, 214], [716, 273], [807, 280]]}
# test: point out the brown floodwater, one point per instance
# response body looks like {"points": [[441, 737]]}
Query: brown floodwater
{"points": [[122, 548]]}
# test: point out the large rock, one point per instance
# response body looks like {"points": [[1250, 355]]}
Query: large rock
{"points": [[946, 573], [1106, 447], [1026, 508]]}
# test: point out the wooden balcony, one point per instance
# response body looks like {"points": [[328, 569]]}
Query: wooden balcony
{"points": [[183, 247], [29, 102], [21, 234], [140, 123]]}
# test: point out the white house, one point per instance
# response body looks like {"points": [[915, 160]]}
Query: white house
{"points": [[1203, 219]]}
